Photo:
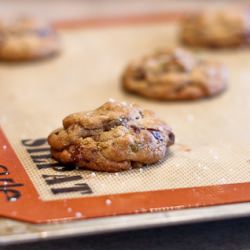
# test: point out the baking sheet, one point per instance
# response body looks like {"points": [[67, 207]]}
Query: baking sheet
{"points": [[212, 135]]}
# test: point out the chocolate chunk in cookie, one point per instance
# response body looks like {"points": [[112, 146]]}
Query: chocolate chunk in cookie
{"points": [[216, 28], [27, 39], [174, 74], [116, 136]]}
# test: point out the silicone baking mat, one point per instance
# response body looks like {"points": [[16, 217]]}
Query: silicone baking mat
{"points": [[208, 165]]}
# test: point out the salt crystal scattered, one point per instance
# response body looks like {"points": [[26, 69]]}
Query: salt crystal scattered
{"points": [[69, 209], [12, 199], [216, 157], [4, 147], [93, 174], [23, 136], [198, 178], [223, 180], [108, 202], [111, 100], [204, 167], [78, 214]]}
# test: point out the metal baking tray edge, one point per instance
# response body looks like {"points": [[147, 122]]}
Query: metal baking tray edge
{"points": [[123, 223]]}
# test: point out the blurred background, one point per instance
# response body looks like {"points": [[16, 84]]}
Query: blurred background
{"points": [[85, 9]]}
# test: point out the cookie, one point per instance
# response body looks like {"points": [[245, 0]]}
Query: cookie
{"points": [[217, 29], [116, 136], [27, 39], [174, 74]]}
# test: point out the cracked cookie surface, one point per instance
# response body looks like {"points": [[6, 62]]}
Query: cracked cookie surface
{"points": [[26, 39], [116, 136], [216, 28], [174, 74]]}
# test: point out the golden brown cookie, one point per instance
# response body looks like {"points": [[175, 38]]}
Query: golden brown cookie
{"points": [[174, 74], [27, 39], [217, 28], [116, 136]]}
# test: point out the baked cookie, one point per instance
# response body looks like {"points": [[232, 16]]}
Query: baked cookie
{"points": [[221, 28], [116, 136], [174, 74], [27, 39]]}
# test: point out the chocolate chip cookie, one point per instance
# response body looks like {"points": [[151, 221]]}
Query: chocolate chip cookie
{"points": [[27, 39], [174, 74], [217, 28], [116, 136]]}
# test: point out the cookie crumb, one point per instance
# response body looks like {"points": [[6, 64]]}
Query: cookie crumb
{"points": [[183, 148]]}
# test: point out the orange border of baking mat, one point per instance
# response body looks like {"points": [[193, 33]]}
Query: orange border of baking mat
{"points": [[118, 20], [32, 209], [28, 207]]}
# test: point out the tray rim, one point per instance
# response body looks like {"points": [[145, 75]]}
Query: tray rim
{"points": [[129, 222]]}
